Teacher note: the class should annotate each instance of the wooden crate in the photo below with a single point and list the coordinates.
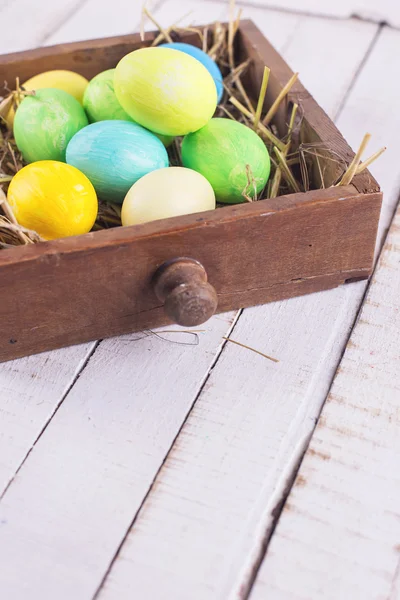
(110, 282)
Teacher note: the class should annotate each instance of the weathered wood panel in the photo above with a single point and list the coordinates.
(339, 534)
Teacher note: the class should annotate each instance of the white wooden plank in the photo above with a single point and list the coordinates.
(387, 11)
(339, 535)
(96, 19)
(101, 458)
(26, 24)
(80, 487)
(200, 532)
(30, 391)
(318, 59)
(123, 16)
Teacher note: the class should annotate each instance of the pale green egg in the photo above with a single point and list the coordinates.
(100, 101)
(45, 123)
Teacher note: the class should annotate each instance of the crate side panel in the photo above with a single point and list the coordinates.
(59, 299)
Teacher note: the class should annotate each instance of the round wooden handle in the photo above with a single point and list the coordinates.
(188, 298)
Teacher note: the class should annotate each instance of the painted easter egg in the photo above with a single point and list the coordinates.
(228, 153)
(100, 101)
(53, 199)
(165, 90)
(101, 104)
(167, 193)
(114, 155)
(205, 60)
(68, 81)
(45, 123)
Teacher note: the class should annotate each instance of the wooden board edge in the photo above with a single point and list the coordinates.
(314, 115)
(156, 317)
(122, 235)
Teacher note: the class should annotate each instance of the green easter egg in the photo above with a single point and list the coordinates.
(223, 151)
(45, 123)
(165, 139)
(100, 101)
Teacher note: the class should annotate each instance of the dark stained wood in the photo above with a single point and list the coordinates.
(102, 284)
(87, 58)
(188, 298)
(316, 126)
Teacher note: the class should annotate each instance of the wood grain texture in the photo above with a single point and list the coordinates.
(386, 11)
(330, 246)
(254, 418)
(332, 237)
(25, 29)
(202, 527)
(31, 389)
(150, 368)
(376, 338)
(98, 19)
(339, 535)
(375, 113)
(91, 468)
(61, 513)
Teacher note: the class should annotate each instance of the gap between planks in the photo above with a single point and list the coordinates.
(279, 507)
(359, 71)
(162, 464)
(344, 504)
(316, 15)
(302, 446)
(92, 349)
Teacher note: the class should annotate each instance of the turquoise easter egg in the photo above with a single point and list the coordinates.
(114, 155)
(100, 101)
(205, 60)
(45, 123)
(225, 151)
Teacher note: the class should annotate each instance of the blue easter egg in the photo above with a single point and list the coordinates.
(205, 60)
(114, 155)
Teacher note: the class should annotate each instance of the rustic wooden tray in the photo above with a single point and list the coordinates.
(115, 281)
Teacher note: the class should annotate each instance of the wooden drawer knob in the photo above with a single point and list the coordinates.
(188, 298)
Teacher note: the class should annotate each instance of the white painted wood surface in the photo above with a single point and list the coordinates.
(339, 535)
(30, 392)
(229, 467)
(251, 420)
(72, 502)
(31, 388)
(387, 11)
(100, 19)
(78, 491)
(26, 24)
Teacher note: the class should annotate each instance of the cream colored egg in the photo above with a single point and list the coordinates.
(168, 192)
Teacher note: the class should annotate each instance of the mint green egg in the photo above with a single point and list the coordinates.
(224, 151)
(45, 123)
(100, 101)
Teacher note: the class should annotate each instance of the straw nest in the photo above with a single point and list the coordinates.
(291, 162)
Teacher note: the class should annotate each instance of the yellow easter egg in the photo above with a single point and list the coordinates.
(54, 199)
(165, 193)
(165, 90)
(68, 81)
